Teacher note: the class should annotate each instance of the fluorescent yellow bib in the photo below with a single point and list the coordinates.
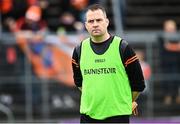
(106, 90)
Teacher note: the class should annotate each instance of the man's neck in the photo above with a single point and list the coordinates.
(100, 39)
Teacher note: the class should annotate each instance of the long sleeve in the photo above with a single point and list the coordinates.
(76, 68)
(133, 68)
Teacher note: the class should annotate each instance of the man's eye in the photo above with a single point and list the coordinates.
(90, 21)
(98, 20)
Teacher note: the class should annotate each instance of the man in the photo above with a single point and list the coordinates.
(107, 72)
(169, 44)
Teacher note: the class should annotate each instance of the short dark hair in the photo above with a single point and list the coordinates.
(94, 7)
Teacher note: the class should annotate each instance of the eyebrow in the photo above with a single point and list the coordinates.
(98, 19)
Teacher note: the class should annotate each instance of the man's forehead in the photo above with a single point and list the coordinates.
(99, 11)
(95, 14)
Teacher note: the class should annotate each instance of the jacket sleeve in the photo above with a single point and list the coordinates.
(132, 67)
(77, 76)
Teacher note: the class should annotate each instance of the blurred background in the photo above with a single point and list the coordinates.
(37, 38)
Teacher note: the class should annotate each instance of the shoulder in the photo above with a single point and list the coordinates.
(77, 48)
(124, 43)
(82, 42)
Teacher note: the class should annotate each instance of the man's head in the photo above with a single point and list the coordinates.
(96, 20)
(170, 26)
(33, 13)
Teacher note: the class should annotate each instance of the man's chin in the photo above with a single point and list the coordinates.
(96, 35)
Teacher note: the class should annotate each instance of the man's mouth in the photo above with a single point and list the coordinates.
(96, 30)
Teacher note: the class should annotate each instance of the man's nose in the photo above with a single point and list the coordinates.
(95, 24)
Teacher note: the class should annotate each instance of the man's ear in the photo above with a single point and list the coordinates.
(107, 21)
(85, 25)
